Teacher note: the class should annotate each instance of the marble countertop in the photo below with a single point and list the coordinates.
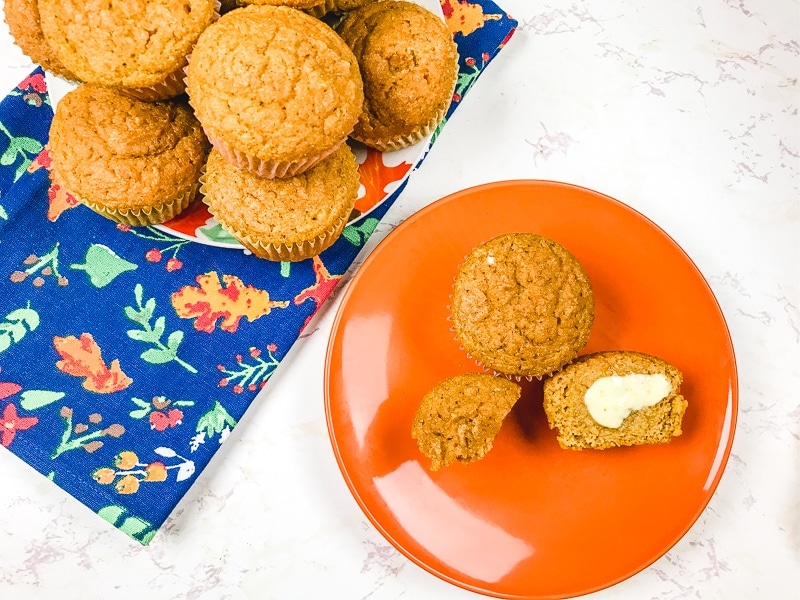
(685, 111)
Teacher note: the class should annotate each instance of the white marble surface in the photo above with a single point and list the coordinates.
(686, 111)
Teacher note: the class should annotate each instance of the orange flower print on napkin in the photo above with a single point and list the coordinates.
(211, 301)
(465, 17)
(58, 198)
(81, 357)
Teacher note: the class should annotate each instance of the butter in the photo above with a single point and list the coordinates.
(611, 399)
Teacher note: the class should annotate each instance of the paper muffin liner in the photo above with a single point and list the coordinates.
(265, 168)
(414, 137)
(291, 252)
(139, 217)
(172, 86)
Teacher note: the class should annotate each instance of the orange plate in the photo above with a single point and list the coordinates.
(529, 520)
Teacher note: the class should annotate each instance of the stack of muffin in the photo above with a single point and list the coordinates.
(272, 91)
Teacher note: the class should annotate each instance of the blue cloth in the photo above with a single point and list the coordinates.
(127, 355)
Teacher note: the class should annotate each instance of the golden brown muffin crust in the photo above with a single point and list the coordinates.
(566, 410)
(522, 304)
(125, 153)
(283, 211)
(135, 43)
(291, 3)
(274, 83)
(336, 6)
(408, 62)
(461, 416)
(22, 18)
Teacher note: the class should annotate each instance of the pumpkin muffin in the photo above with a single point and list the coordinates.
(336, 6)
(300, 4)
(275, 89)
(522, 305)
(285, 219)
(615, 398)
(134, 162)
(409, 64)
(460, 417)
(22, 18)
(138, 45)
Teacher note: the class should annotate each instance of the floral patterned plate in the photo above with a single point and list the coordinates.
(381, 174)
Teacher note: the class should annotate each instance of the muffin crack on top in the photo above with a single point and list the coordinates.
(275, 84)
(522, 305)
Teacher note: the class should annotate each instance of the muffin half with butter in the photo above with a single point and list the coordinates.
(615, 398)
(134, 162)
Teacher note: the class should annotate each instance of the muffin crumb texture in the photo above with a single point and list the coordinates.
(566, 409)
(460, 417)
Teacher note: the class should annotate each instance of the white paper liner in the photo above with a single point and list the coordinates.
(151, 215)
(283, 252)
(268, 169)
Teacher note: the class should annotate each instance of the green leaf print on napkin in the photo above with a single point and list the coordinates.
(33, 399)
(138, 529)
(151, 334)
(16, 326)
(19, 146)
(103, 265)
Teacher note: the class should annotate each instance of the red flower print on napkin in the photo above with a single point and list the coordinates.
(12, 423)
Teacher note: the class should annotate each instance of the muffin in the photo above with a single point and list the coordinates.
(615, 398)
(275, 89)
(138, 45)
(460, 417)
(22, 18)
(134, 162)
(522, 305)
(336, 6)
(409, 64)
(286, 219)
(300, 4)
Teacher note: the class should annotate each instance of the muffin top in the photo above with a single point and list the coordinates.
(125, 153)
(22, 17)
(283, 211)
(461, 416)
(136, 43)
(337, 6)
(522, 304)
(293, 3)
(274, 83)
(408, 62)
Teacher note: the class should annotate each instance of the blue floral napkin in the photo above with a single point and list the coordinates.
(127, 355)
